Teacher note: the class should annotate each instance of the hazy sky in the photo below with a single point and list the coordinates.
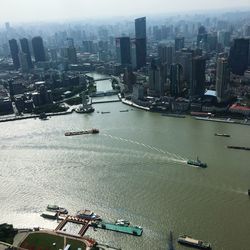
(38, 10)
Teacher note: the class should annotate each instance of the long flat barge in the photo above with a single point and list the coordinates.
(214, 119)
(173, 115)
(132, 230)
(245, 122)
(83, 132)
(238, 147)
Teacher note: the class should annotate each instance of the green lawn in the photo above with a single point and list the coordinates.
(44, 241)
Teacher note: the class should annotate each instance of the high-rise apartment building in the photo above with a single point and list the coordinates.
(123, 50)
(185, 57)
(166, 54)
(14, 50)
(179, 43)
(238, 58)
(38, 49)
(156, 79)
(222, 78)
(23, 61)
(197, 87)
(25, 49)
(175, 79)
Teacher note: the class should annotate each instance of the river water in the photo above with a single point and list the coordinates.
(134, 169)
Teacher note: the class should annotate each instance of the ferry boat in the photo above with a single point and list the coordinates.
(224, 135)
(83, 132)
(55, 208)
(87, 214)
(50, 215)
(197, 163)
(187, 240)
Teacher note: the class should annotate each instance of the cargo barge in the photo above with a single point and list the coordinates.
(189, 241)
(238, 147)
(83, 132)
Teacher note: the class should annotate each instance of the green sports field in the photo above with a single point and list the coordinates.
(44, 241)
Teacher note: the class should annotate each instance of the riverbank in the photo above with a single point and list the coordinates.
(24, 117)
(132, 104)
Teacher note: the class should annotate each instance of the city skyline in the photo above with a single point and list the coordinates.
(61, 10)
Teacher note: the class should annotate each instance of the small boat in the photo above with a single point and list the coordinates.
(50, 215)
(85, 110)
(187, 240)
(122, 222)
(55, 208)
(87, 214)
(197, 163)
(249, 192)
(105, 112)
(224, 135)
(83, 132)
(125, 110)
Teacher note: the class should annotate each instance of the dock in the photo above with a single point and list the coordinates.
(132, 230)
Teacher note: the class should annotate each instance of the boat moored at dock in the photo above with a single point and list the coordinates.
(187, 240)
(83, 132)
(49, 215)
(87, 214)
(122, 222)
(55, 208)
(197, 163)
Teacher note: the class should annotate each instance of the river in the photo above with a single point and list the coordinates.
(134, 169)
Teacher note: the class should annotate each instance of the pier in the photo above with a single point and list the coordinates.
(103, 79)
(108, 101)
(73, 219)
(132, 230)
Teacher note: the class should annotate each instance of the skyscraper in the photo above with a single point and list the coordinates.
(123, 50)
(133, 52)
(71, 54)
(71, 51)
(175, 79)
(156, 79)
(197, 87)
(238, 58)
(222, 78)
(23, 61)
(185, 57)
(166, 53)
(25, 49)
(38, 49)
(14, 50)
(179, 43)
(202, 36)
(224, 38)
(141, 41)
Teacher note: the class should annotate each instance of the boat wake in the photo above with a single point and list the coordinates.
(168, 155)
